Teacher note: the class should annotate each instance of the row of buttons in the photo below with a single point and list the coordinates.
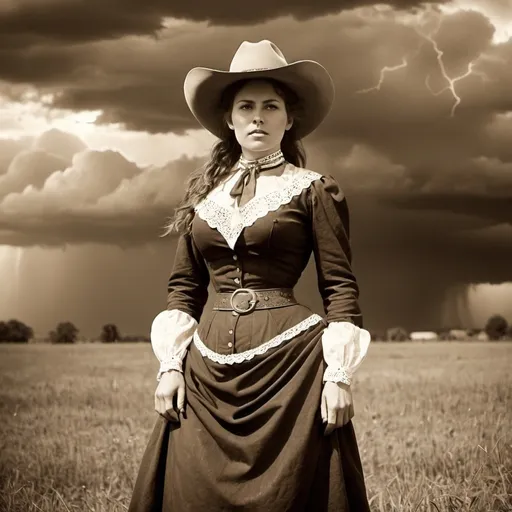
(230, 344)
(234, 313)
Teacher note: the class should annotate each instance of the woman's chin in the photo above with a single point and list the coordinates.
(257, 145)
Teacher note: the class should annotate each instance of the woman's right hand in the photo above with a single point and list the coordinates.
(170, 388)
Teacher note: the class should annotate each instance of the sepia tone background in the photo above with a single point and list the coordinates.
(96, 141)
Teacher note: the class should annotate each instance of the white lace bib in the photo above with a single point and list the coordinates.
(222, 213)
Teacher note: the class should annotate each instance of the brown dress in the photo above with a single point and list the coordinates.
(252, 439)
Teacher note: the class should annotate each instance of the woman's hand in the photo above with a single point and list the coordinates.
(171, 388)
(336, 407)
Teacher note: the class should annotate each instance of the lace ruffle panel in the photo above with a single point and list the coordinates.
(230, 223)
(257, 351)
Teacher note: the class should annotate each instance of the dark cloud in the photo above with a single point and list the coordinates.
(34, 21)
(139, 81)
(490, 210)
(78, 20)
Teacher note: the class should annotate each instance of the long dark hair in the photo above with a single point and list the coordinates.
(227, 151)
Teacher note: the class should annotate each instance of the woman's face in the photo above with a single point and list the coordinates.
(259, 119)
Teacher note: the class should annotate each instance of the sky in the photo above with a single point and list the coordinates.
(96, 142)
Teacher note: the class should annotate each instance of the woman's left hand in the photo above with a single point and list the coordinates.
(336, 407)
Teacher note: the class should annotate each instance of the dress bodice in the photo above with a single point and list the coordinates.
(270, 253)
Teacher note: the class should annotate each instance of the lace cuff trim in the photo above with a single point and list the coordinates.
(230, 223)
(175, 363)
(337, 375)
(264, 347)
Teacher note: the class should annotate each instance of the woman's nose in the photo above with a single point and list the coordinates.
(258, 118)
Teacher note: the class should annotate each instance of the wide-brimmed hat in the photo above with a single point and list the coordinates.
(309, 80)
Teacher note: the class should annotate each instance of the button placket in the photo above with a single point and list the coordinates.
(237, 279)
(235, 315)
(231, 332)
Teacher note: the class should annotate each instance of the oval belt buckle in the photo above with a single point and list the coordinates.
(252, 301)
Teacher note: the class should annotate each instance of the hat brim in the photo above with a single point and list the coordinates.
(312, 83)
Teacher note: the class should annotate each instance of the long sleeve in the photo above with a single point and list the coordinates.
(344, 341)
(172, 330)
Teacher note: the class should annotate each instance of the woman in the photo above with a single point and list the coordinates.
(254, 395)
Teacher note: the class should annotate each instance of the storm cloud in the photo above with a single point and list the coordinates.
(26, 22)
(419, 135)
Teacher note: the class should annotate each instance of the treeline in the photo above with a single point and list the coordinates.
(496, 329)
(14, 331)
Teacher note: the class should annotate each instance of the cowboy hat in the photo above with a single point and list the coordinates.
(312, 83)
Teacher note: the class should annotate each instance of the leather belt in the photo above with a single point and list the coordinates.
(245, 300)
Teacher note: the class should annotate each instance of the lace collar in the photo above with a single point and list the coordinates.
(267, 162)
(222, 213)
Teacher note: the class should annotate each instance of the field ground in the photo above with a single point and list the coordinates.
(434, 423)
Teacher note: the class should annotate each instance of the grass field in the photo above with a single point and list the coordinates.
(434, 424)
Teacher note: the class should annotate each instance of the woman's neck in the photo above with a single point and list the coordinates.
(269, 161)
(253, 156)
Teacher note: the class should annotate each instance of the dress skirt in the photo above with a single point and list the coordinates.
(252, 440)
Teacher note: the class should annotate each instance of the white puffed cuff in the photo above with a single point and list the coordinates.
(171, 334)
(344, 347)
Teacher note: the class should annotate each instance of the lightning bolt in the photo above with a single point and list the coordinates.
(389, 69)
(450, 81)
(439, 57)
(383, 71)
(451, 86)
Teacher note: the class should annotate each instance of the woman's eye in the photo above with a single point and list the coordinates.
(248, 106)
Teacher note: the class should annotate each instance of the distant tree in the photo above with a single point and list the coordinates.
(4, 332)
(15, 331)
(397, 334)
(378, 335)
(446, 336)
(110, 333)
(509, 332)
(65, 332)
(496, 327)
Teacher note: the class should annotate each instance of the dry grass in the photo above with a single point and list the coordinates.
(433, 423)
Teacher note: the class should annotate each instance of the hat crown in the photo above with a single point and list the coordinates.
(255, 56)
